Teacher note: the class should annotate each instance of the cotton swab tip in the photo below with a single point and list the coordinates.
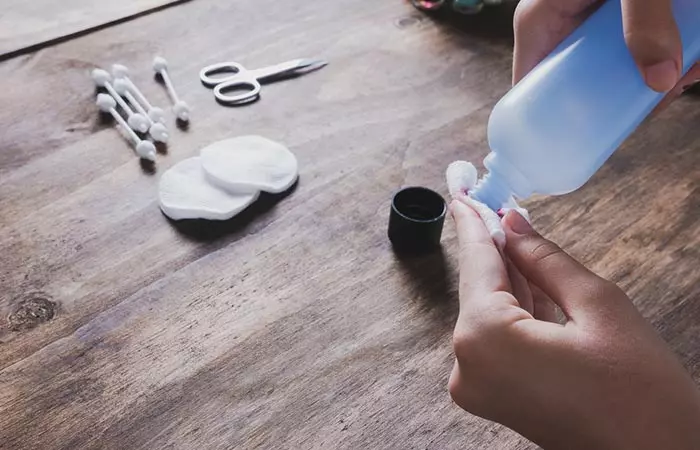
(159, 132)
(119, 71)
(105, 102)
(182, 110)
(121, 86)
(159, 64)
(101, 77)
(461, 177)
(138, 122)
(146, 150)
(157, 114)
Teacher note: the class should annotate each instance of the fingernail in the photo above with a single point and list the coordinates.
(662, 76)
(517, 223)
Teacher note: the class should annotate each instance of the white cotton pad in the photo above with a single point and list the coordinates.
(490, 219)
(249, 163)
(185, 193)
(461, 177)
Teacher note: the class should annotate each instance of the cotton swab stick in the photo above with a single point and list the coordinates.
(145, 149)
(135, 121)
(121, 73)
(156, 129)
(180, 108)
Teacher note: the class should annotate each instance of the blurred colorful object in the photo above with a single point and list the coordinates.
(461, 6)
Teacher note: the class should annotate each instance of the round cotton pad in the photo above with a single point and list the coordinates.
(249, 163)
(185, 193)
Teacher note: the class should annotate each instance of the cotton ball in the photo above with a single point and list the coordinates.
(461, 177)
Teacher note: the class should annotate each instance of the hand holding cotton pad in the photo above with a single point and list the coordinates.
(226, 178)
(462, 177)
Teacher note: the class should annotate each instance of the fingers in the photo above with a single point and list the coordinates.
(570, 285)
(482, 271)
(654, 41)
(544, 308)
(650, 32)
(520, 287)
(690, 78)
(539, 26)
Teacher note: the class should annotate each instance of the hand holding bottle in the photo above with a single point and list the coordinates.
(602, 380)
(650, 32)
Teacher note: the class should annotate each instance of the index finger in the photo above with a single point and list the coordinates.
(654, 40)
(540, 25)
(481, 268)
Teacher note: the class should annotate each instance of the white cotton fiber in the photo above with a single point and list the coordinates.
(461, 177)
(490, 219)
(185, 193)
(249, 164)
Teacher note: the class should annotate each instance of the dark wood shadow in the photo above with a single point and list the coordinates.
(493, 22)
(433, 282)
(200, 230)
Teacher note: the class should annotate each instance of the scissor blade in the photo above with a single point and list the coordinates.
(289, 68)
(309, 65)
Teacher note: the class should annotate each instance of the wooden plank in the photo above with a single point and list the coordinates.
(293, 326)
(28, 25)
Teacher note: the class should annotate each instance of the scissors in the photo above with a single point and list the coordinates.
(249, 80)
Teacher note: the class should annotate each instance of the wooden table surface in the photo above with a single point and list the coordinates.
(293, 326)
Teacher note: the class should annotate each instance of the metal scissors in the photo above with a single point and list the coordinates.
(249, 80)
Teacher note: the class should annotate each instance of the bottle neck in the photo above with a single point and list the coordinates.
(492, 191)
(502, 184)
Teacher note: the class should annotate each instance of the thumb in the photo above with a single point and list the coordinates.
(569, 284)
(653, 38)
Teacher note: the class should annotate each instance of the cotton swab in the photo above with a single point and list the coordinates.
(121, 72)
(145, 149)
(156, 129)
(180, 108)
(135, 121)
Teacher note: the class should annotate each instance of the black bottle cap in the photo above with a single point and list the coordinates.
(416, 220)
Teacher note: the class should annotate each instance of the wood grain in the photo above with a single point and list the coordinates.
(32, 24)
(293, 325)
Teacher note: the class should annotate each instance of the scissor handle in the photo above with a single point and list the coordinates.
(233, 68)
(248, 95)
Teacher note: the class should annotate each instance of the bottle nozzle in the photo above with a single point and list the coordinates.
(492, 191)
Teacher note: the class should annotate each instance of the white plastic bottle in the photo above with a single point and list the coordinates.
(560, 123)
